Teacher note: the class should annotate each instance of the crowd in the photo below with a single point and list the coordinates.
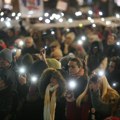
(60, 78)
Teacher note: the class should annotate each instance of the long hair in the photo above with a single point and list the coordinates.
(45, 80)
(107, 92)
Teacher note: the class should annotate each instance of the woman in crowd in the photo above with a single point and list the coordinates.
(51, 88)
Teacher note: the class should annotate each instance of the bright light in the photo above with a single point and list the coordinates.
(79, 13)
(108, 22)
(21, 43)
(80, 42)
(17, 18)
(90, 12)
(7, 1)
(51, 17)
(68, 30)
(22, 70)
(46, 14)
(14, 50)
(114, 84)
(100, 13)
(46, 47)
(60, 20)
(103, 19)
(57, 17)
(93, 25)
(70, 20)
(92, 21)
(101, 73)
(83, 38)
(47, 21)
(2, 13)
(13, 14)
(2, 19)
(8, 19)
(117, 15)
(52, 32)
(34, 79)
(40, 18)
(30, 12)
(19, 14)
(89, 18)
(81, 25)
(118, 43)
(8, 24)
(62, 14)
(72, 84)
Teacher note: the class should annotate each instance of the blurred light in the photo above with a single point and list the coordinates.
(40, 18)
(68, 30)
(114, 84)
(108, 22)
(13, 14)
(80, 42)
(70, 20)
(14, 50)
(17, 18)
(92, 21)
(83, 38)
(102, 19)
(21, 43)
(8, 24)
(90, 12)
(93, 25)
(79, 13)
(2, 13)
(46, 47)
(100, 13)
(81, 25)
(47, 21)
(46, 14)
(51, 18)
(62, 14)
(72, 84)
(8, 19)
(7, 1)
(60, 20)
(89, 18)
(52, 32)
(22, 70)
(117, 15)
(2, 19)
(34, 79)
(19, 14)
(118, 43)
(57, 16)
(101, 73)
(30, 12)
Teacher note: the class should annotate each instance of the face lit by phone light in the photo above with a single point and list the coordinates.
(72, 84)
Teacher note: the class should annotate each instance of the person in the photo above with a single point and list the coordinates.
(113, 72)
(51, 89)
(76, 74)
(11, 88)
(102, 97)
(29, 47)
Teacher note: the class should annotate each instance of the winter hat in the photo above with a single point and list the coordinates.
(6, 54)
(53, 63)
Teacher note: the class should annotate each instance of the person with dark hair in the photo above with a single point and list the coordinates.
(113, 73)
(51, 89)
(77, 75)
(96, 58)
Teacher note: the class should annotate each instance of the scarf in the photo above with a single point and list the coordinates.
(50, 104)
